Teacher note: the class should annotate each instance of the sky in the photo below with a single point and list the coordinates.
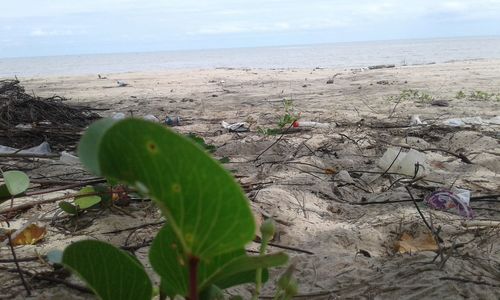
(64, 27)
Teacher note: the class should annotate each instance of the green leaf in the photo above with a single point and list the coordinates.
(68, 207)
(224, 160)
(170, 263)
(201, 142)
(84, 202)
(230, 272)
(204, 205)
(15, 183)
(88, 149)
(110, 272)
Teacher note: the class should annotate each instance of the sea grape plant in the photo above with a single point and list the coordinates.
(200, 251)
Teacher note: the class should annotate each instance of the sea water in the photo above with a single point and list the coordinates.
(338, 55)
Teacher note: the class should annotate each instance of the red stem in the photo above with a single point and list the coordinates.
(193, 277)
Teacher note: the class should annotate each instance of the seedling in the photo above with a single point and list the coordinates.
(478, 96)
(288, 118)
(200, 251)
(14, 183)
(412, 95)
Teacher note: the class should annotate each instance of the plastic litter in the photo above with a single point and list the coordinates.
(235, 127)
(118, 116)
(43, 148)
(458, 122)
(344, 177)
(404, 162)
(121, 83)
(174, 121)
(151, 118)
(24, 126)
(309, 124)
(454, 199)
(415, 120)
(68, 158)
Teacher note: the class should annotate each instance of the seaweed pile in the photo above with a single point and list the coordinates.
(27, 120)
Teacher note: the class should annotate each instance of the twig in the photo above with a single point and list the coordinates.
(40, 202)
(135, 227)
(274, 143)
(287, 247)
(52, 279)
(465, 280)
(392, 163)
(23, 259)
(305, 295)
(28, 291)
(29, 155)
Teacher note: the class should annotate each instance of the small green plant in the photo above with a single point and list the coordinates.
(87, 197)
(460, 95)
(14, 183)
(483, 96)
(412, 95)
(288, 118)
(200, 251)
(478, 95)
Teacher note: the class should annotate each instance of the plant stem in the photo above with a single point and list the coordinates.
(193, 277)
(258, 276)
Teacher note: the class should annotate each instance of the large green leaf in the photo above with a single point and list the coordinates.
(15, 183)
(204, 205)
(226, 270)
(237, 269)
(88, 149)
(110, 272)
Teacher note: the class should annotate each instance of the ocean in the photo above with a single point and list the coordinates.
(338, 55)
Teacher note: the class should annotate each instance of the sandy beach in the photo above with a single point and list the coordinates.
(323, 186)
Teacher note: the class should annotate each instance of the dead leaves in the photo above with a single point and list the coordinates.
(412, 244)
(30, 235)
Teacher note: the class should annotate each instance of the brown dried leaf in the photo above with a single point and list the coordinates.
(410, 244)
(30, 235)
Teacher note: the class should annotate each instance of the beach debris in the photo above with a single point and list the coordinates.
(121, 83)
(412, 163)
(151, 118)
(409, 243)
(381, 67)
(172, 121)
(69, 158)
(344, 177)
(455, 199)
(49, 119)
(310, 124)
(101, 77)
(442, 103)
(27, 235)
(459, 122)
(332, 79)
(118, 116)
(235, 127)
(42, 149)
(480, 223)
(415, 121)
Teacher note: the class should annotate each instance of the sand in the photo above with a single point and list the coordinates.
(327, 214)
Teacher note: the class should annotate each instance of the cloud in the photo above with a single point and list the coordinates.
(181, 24)
(43, 33)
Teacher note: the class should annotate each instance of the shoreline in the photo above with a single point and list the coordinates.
(195, 69)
